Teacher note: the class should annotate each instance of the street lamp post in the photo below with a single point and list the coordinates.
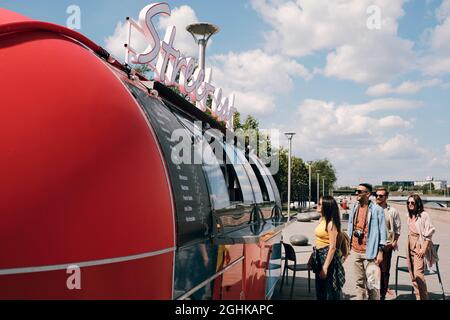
(289, 135)
(323, 187)
(309, 196)
(202, 32)
(318, 187)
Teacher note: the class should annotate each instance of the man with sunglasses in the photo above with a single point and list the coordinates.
(393, 226)
(367, 232)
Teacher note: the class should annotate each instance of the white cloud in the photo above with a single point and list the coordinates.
(362, 145)
(394, 122)
(447, 151)
(342, 126)
(115, 43)
(180, 18)
(375, 59)
(407, 87)
(303, 27)
(401, 147)
(256, 78)
(385, 104)
(437, 61)
(443, 11)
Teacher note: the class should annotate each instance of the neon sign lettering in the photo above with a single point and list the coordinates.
(172, 64)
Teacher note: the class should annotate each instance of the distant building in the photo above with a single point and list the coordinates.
(438, 184)
(402, 184)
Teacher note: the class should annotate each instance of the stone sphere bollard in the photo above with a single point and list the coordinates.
(304, 217)
(298, 240)
(314, 215)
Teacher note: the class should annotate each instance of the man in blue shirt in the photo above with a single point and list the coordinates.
(368, 234)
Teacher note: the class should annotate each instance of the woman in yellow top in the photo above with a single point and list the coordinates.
(330, 274)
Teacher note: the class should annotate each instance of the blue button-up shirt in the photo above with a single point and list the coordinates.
(377, 235)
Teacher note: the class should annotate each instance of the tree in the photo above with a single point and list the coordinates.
(299, 170)
(299, 176)
(326, 171)
(281, 176)
(428, 188)
(237, 121)
(299, 182)
(251, 124)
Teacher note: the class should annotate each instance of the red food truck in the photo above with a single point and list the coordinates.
(92, 205)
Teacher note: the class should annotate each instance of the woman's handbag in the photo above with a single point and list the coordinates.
(314, 262)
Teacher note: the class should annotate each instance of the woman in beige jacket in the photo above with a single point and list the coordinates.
(421, 253)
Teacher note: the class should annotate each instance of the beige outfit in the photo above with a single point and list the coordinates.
(393, 223)
(420, 229)
(367, 275)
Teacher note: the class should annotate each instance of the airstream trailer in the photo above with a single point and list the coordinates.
(92, 205)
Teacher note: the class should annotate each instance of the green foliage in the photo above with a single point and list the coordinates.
(300, 177)
(428, 188)
(326, 170)
(237, 121)
(251, 124)
(300, 171)
(143, 69)
(347, 188)
(393, 188)
(209, 112)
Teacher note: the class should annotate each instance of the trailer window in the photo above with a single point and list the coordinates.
(266, 172)
(216, 178)
(190, 193)
(266, 187)
(251, 175)
(244, 181)
(230, 172)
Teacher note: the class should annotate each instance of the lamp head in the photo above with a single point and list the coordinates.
(290, 135)
(202, 31)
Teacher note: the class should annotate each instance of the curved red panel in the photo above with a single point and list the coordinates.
(82, 176)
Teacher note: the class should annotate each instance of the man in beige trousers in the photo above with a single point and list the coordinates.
(368, 235)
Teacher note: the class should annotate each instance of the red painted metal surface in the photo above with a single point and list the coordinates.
(230, 285)
(255, 281)
(124, 280)
(82, 177)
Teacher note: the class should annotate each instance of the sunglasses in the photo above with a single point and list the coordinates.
(360, 191)
(411, 202)
(381, 195)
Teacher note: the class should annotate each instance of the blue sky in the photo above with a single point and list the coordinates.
(373, 101)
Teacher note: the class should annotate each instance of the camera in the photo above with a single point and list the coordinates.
(359, 234)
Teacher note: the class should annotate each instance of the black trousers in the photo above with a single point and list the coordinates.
(385, 270)
(325, 290)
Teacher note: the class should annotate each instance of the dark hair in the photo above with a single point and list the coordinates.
(383, 189)
(367, 186)
(418, 209)
(330, 211)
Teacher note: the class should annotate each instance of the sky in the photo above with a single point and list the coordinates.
(363, 83)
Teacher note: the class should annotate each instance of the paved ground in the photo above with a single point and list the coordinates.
(440, 219)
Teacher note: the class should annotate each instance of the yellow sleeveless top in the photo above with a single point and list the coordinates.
(322, 237)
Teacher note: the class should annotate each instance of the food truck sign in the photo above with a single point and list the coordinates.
(174, 69)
